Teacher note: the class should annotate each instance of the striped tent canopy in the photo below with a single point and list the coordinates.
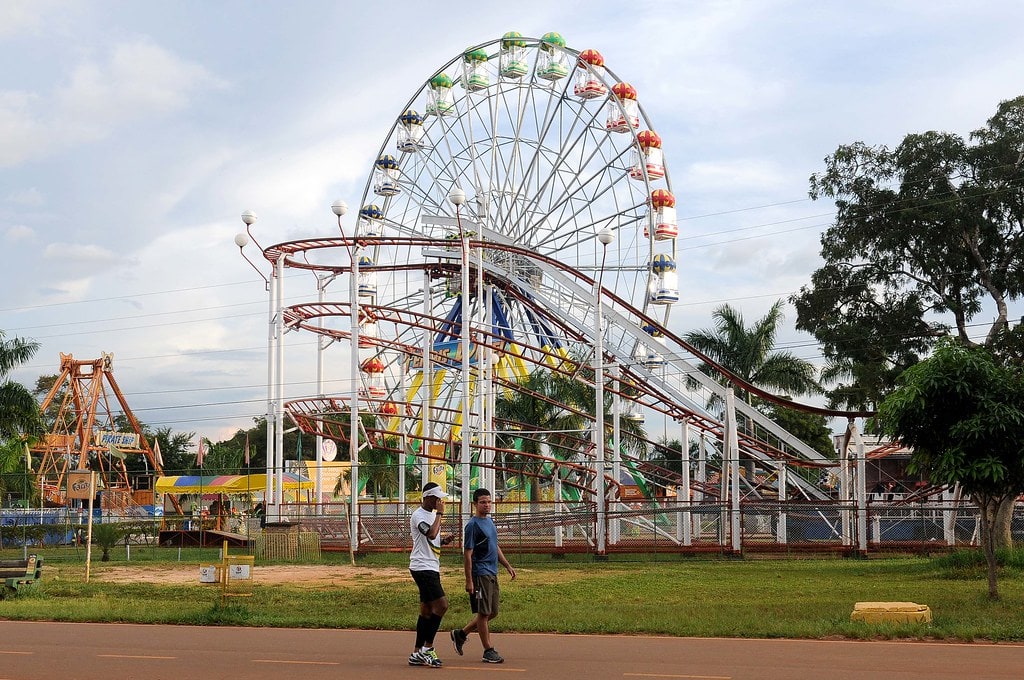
(227, 484)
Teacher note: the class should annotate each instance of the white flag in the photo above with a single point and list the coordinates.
(156, 453)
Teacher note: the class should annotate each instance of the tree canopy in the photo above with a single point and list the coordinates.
(927, 240)
(963, 415)
(19, 413)
(749, 352)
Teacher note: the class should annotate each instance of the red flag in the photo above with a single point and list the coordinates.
(199, 453)
(247, 449)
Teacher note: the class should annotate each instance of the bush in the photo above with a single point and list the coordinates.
(974, 560)
(107, 535)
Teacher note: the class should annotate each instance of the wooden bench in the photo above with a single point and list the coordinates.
(18, 573)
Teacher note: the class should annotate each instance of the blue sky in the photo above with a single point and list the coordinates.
(132, 135)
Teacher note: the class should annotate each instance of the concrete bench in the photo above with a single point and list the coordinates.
(891, 612)
(18, 573)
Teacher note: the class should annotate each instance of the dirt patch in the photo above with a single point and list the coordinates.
(303, 576)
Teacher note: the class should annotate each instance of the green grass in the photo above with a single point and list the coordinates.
(670, 595)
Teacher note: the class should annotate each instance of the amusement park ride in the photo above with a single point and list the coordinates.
(523, 226)
(88, 434)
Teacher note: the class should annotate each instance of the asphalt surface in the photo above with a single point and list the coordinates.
(87, 651)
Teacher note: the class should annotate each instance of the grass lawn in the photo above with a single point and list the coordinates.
(667, 595)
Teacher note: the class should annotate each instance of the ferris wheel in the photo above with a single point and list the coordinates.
(563, 196)
(550, 148)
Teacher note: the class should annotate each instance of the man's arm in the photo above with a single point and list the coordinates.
(467, 556)
(504, 563)
(467, 566)
(432, 530)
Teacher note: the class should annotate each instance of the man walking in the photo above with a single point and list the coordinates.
(425, 566)
(480, 558)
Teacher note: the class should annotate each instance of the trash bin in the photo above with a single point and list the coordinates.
(209, 573)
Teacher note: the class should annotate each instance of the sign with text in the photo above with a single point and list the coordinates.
(80, 485)
(127, 440)
(60, 441)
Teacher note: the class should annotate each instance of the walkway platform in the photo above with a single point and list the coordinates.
(206, 538)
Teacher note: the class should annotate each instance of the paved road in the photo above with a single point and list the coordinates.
(86, 651)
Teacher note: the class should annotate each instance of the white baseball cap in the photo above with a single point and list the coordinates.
(436, 492)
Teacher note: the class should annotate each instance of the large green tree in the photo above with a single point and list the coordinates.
(963, 414)
(926, 243)
(19, 418)
(174, 448)
(19, 412)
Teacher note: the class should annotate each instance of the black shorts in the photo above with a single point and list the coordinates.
(429, 583)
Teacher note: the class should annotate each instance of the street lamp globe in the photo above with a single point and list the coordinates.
(339, 208)
(249, 217)
(241, 240)
(457, 196)
(605, 236)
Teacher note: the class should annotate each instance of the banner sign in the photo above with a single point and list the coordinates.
(80, 484)
(127, 440)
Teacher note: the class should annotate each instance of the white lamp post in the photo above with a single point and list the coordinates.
(339, 208)
(353, 433)
(457, 197)
(604, 237)
(241, 240)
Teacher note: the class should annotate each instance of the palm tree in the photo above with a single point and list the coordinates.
(107, 535)
(749, 352)
(544, 416)
(549, 413)
(379, 469)
(19, 412)
(15, 475)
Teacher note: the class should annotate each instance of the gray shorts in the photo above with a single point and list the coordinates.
(485, 598)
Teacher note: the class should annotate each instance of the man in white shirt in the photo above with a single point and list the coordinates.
(425, 566)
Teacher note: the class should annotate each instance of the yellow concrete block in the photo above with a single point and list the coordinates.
(891, 612)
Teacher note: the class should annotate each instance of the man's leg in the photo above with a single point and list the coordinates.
(482, 625)
(422, 626)
(435, 612)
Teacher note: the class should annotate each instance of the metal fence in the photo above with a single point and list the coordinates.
(637, 527)
(650, 526)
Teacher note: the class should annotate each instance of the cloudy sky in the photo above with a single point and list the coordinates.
(133, 134)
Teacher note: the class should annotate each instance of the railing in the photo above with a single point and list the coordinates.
(649, 526)
(636, 527)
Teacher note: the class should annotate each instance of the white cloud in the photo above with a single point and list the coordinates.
(135, 80)
(21, 136)
(19, 232)
(81, 255)
(31, 197)
(21, 16)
